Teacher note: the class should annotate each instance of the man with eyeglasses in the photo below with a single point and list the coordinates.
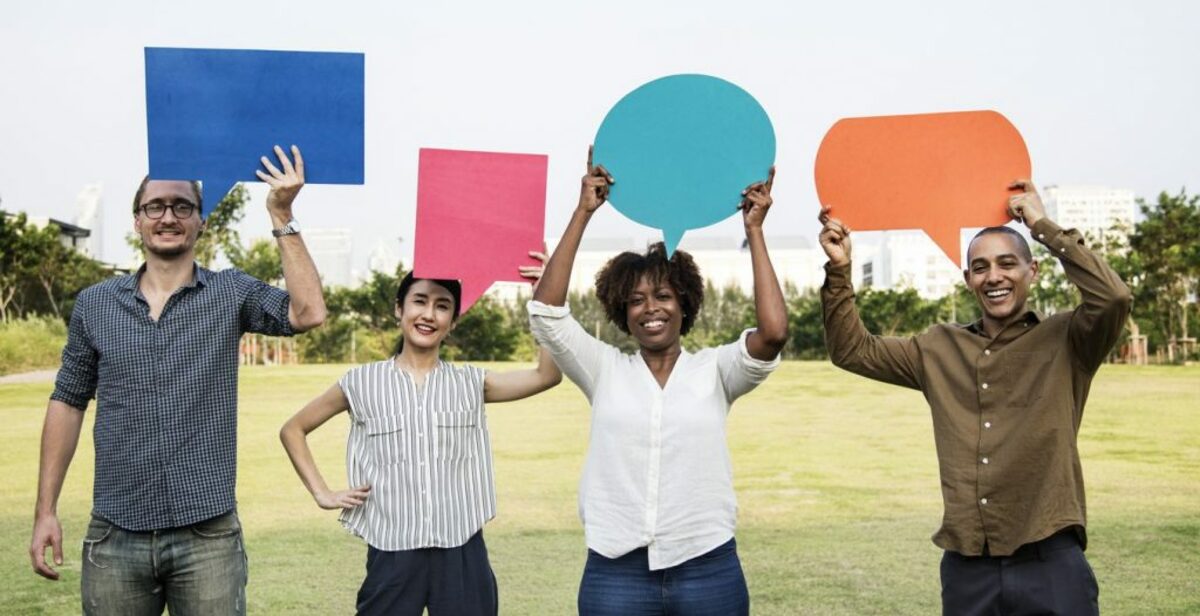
(158, 350)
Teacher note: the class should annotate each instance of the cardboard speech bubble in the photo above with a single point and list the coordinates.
(478, 216)
(939, 172)
(211, 113)
(682, 148)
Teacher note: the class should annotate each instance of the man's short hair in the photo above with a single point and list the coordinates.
(1022, 245)
(137, 196)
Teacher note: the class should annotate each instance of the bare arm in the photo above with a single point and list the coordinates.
(60, 436)
(517, 384)
(552, 290)
(294, 436)
(768, 339)
(307, 306)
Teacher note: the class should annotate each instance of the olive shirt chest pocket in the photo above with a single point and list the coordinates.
(1027, 376)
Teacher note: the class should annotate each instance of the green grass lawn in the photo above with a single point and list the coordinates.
(836, 480)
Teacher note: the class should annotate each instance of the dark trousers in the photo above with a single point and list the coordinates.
(449, 581)
(1050, 576)
(711, 584)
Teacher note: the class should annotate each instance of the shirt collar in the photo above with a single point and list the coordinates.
(1031, 317)
(199, 278)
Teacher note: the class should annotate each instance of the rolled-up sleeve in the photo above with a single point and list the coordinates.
(75, 384)
(740, 371)
(264, 307)
(579, 355)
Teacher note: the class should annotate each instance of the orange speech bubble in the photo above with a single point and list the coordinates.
(938, 172)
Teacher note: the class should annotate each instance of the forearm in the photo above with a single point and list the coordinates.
(552, 289)
(852, 347)
(769, 307)
(295, 442)
(60, 436)
(307, 305)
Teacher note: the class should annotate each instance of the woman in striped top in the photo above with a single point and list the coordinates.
(656, 498)
(419, 460)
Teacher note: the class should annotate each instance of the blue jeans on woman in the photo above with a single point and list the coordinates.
(709, 584)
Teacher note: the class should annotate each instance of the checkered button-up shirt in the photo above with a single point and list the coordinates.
(166, 392)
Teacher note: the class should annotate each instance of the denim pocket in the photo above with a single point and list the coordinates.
(225, 525)
(98, 531)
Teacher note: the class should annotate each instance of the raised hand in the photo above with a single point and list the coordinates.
(834, 238)
(285, 185)
(534, 272)
(1025, 206)
(593, 189)
(756, 200)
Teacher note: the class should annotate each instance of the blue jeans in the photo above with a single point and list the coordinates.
(709, 584)
(197, 569)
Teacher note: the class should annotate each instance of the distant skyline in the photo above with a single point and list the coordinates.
(1102, 92)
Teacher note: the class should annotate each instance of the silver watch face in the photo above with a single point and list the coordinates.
(292, 227)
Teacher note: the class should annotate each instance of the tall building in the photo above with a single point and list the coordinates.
(331, 250)
(722, 260)
(89, 214)
(1094, 210)
(908, 259)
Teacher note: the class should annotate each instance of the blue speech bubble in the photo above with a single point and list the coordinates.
(211, 113)
(682, 148)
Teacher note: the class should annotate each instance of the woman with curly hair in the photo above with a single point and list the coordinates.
(656, 498)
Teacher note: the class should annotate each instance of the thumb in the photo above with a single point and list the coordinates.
(56, 543)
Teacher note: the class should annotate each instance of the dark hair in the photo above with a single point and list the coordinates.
(620, 276)
(137, 196)
(407, 282)
(1022, 245)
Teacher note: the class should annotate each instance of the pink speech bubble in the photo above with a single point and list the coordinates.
(478, 216)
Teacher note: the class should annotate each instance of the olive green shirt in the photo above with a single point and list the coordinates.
(1006, 410)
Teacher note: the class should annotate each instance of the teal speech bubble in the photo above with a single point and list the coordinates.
(681, 149)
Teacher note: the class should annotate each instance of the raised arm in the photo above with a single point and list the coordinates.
(851, 347)
(294, 436)
(1097, 322)
(593, 192)
(517, 384)
(306, 309)
(768, 338)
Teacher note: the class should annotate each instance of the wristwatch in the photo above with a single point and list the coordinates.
(291, 228)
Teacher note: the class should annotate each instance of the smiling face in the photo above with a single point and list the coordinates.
(1000, 273)
(426, 315)
(653, 314)
(169, 237)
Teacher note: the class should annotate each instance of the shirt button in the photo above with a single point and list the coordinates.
(985, 385)
(985, 460)
(987, 424)
(987, 351)
(1041, 236)
(1063, 249)
(983, 501)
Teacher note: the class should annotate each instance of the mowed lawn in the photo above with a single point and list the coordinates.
(836, 479)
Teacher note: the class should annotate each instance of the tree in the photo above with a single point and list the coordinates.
(1167, 243)
(1051, 292)
(896, 313)
(806, 324)
(260, 260)
(484, 333)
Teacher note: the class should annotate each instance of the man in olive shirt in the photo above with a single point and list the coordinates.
(1007, 395)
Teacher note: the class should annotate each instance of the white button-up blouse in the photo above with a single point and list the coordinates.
(657, 473)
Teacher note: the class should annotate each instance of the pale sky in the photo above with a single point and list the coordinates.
(1103, 92)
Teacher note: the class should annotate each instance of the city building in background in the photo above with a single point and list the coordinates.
(1094, 210)
(331, 251)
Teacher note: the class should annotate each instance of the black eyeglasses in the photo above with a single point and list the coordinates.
(181, 209)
